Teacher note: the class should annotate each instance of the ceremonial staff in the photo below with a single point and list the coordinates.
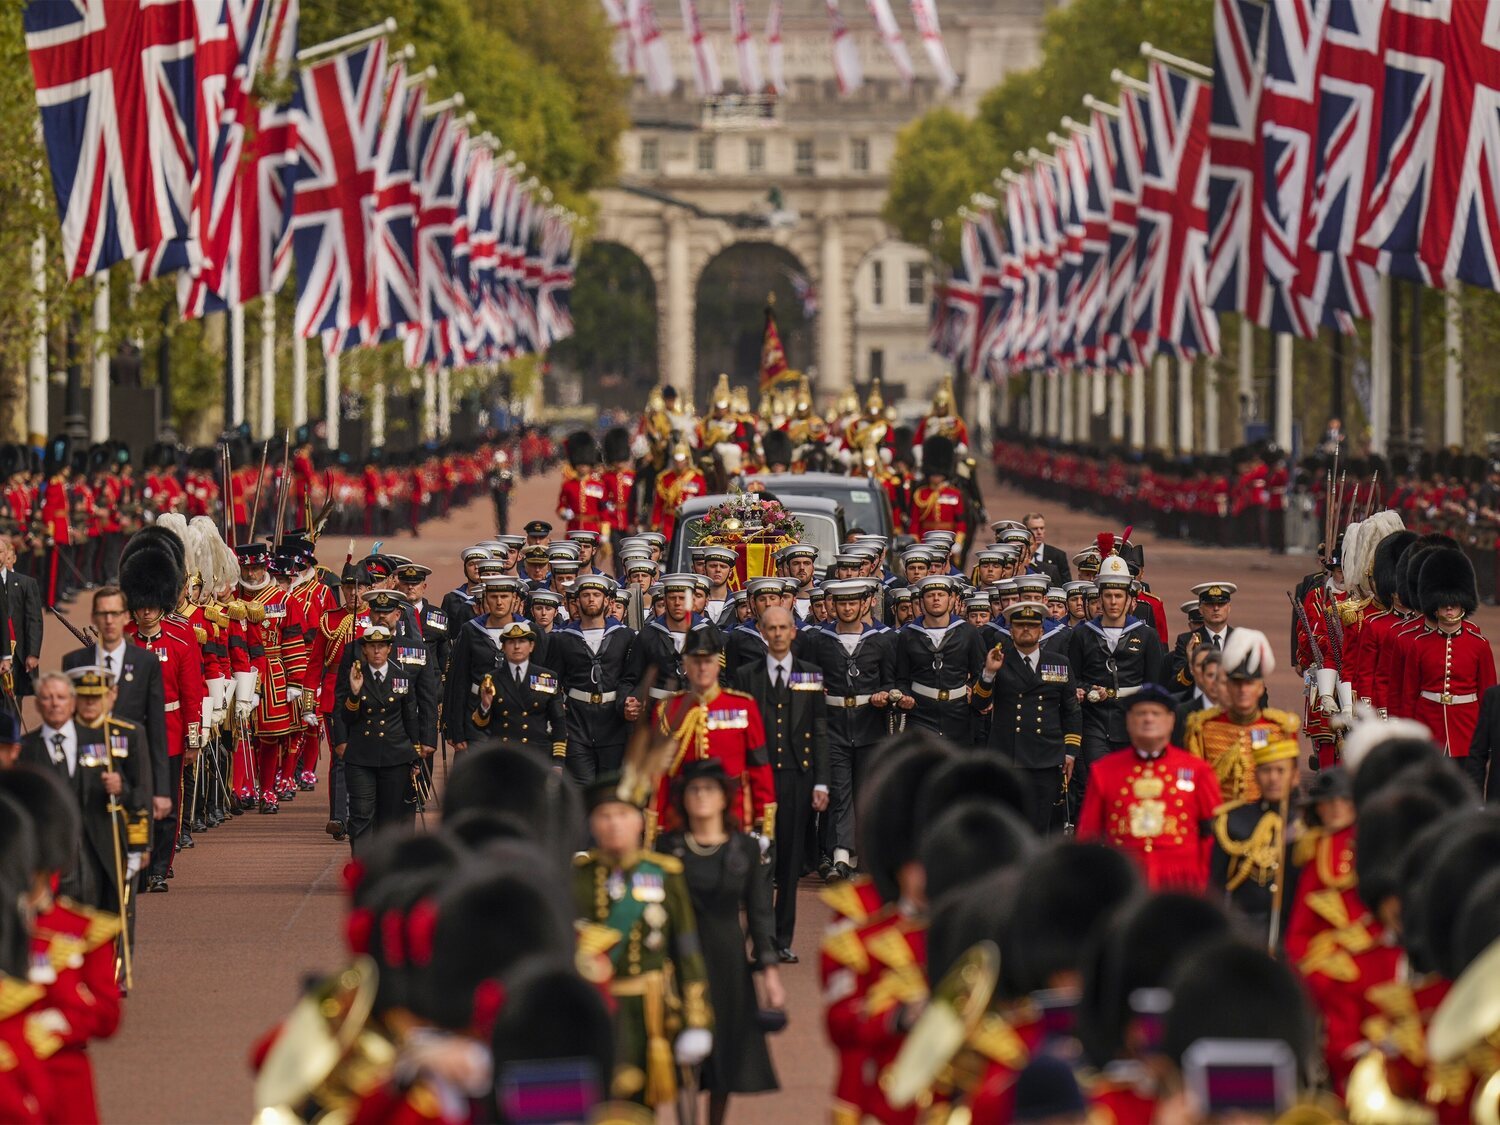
(265, 451)
(117, 826)
(1278, 892)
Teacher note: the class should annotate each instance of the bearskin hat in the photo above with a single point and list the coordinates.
(1227, 989)
(1147, 941)
(550, 1015)
(1410, 567)
(160, 537)
(971, 776)
(1447, 860)
(1388, 555)
(1478, 924)
(12, 459)
(54, 813)
(980, 913)
(777, 446)
(970, 839)
(391, 853)
(162, 455)
(18, 870)
(1447, 578)
(518, 907)
(616, 445)
(937, 456)
(378, 930)
(58, 455)
(902, 441)
(581, 450)
(151, 577)
(888, 825)
(1066, 893)
(1388, 823)
(510, 779)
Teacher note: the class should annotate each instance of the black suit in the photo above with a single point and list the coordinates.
(1036, 724)
(597, 685)
(1486, 737)
(529, 713)
(1178, 677)
(93, 880)
(795, 718)
(379, 730)
(1053, 561)
(21, 606)
(140, 701)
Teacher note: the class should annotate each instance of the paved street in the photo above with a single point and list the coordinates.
(256, 905)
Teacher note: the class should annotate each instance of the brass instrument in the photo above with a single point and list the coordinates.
(329, 1053)
(1371, 1100)
(117, 825)
(1466, 1026)
(958, 1003)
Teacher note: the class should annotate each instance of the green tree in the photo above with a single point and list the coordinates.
(614, 319)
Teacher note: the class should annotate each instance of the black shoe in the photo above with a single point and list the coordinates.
(267, 809)
(842, 871)
(825, 869)
(157, 885)
(198, 825)
(184, 839)
(237, 809)
(786, 955)
(334, 828)
(305, 786)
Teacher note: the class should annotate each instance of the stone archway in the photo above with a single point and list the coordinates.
(614, 346)
(729, 314)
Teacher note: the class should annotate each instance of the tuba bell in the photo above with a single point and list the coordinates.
(328, 1054)
(1371, 1100)
(945, 1025)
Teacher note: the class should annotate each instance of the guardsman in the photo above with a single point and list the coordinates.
(1314, 651)
(151, 577)
(1213, 601)
(375, 733)
(277, 718)
(936, 504)
(619, 482)
(1228, 737)
(593, 661)
(55, 530)
(637, 932)
(1447, 664)
(297, 632)
(939, 657)
(581, 500)
(312, 599)
(676, 484)
(1252, 857)
(1153, 801)
(1036, 723)
(521, 703)
(708, 721)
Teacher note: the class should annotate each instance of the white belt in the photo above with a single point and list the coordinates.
(592, 696)
(942, 695)
(1126, 692)
(1448, 698)
(661, 693)
(846, 700)
(176, 703)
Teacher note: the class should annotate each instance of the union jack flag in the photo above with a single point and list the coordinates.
(341, 99)
(395, 297)
(1102, 142)
(1169, 305)
(116, 85)
(554, 314)
(1072, 184)
(441, 172)
(1124, 204)
(1043, 256)
(980, 246)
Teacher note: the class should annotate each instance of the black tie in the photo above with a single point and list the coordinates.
(780, 679)
(1218, 646)
(518, 675)
(57, 748)
(109, 662)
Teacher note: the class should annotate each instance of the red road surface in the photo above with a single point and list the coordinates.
(257, 904)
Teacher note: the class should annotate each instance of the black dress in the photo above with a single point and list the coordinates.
(721, 884)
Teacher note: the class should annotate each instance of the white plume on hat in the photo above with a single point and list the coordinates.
(176, 523)
(1368, 732)
(1359, 560)
(1250, 649)
(209, 556)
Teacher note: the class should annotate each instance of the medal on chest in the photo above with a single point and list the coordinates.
(1148, 815)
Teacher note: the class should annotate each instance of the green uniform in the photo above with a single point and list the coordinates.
(638, 918)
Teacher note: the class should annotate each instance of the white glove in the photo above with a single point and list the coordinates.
(293, 694)
(134, 863)
(312, 718)
(763, 841)
(693, 1046)
(244, 686)
(244, 708)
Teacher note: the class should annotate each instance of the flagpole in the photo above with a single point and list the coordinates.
(1453, 374)
(267, 366)
(299, 380)
(432, 109)
(236, 344)
(429, 404)
(445, 402)
(344, 42)
(1246, 371)
(1380, 365)
(377, 416)
(36, 365)
(1137, 406)
(331, 410)
(1129, 81)
(1211, 407)
(1184, 404)
(1176, 62)
(1284, 390)
(99, 391)
(1161, 433)
(1116, 390)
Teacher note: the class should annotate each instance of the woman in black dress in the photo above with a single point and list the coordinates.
(722, 866)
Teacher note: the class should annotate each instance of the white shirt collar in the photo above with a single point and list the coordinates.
(511, 668)
(785, 664)
(118, 652)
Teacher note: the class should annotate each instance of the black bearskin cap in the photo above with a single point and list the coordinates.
(513, 780)
(777, 446)
(1450, 857)
(1386, 564)
(970, 839)
(151, 578)
(1447, 578)
(53, 810)
(888, 824)
(616, 445)
(1066, 893)
(937, 455)
(971, 776)
(1388, 824)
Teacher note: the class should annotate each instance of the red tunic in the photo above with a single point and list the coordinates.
(672, 488)
(1155, 810)
(726, 726)
(841, 962)
(182, 683)
(1443, 676)
(938, 507)
(581, 501)
(25, 1083)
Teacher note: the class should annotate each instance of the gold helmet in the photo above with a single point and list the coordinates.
(804, 397)
(682, 453)
(847, 404)
(875, 403)
(942, 401)
(721, 397)
(655, 403)
(740, 400)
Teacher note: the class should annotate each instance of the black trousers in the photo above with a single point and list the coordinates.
(585, 762)
(794, 789)
(846, 769)
(338, 791)
(377, 799)
(164, 831)
(1042, 789)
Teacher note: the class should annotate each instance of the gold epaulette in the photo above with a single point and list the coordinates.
(1352, 609)
(1307, 846)
(1289, 723)
(995, 1039)
(1227, 807)
(17, 995)
(1193, 728)
(890, 948)
(842, 944)
(201, 634)
(843, 899)
(668, 863)
(736, 693)
(255, 612)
